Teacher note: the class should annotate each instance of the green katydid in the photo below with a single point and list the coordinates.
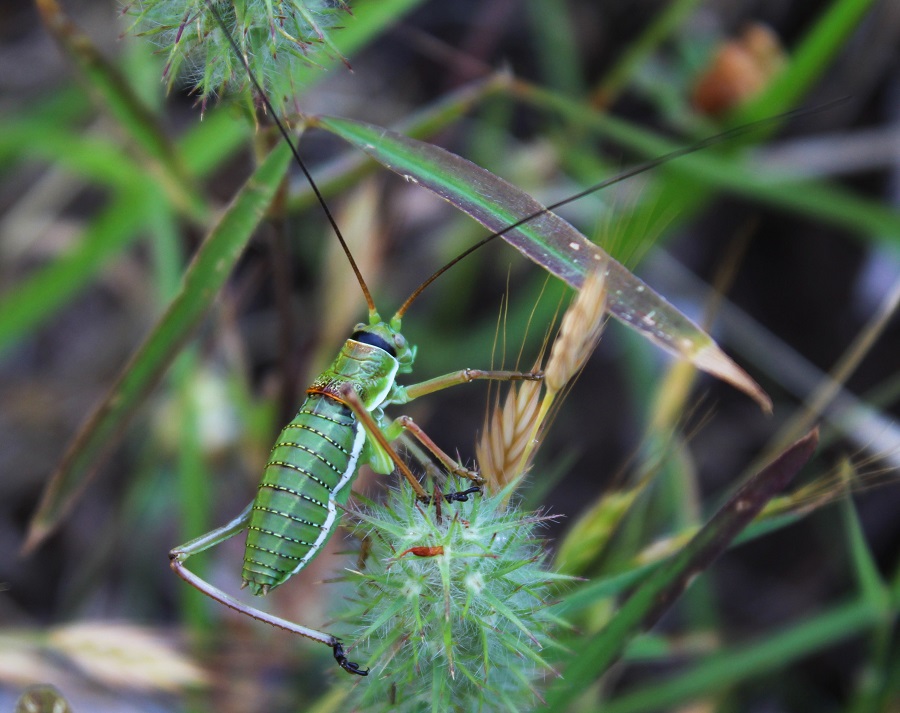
(317, 456)
(340, 426)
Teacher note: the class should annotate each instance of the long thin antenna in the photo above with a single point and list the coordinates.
(299, 160)
(628, 173)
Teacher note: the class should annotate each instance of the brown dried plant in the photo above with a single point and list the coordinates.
(506, 432)
(513, 431)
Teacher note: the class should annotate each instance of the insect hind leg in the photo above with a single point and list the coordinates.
(344, 662)
(211, 538)
(180, 554)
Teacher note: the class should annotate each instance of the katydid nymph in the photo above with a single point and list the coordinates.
(340, 426)
(316, 458)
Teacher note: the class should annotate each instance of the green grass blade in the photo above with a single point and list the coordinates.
(665, 24)
(809, 61)
(691, 178)
(728, 667)
(212, 141)
(553, 27)
(93, 157)
(36, 298)
(614, 585)
(205, 276)
(141, 124)
(656, 594)
(43, 293)
(873, 589)
(547, 239)
(368, 20)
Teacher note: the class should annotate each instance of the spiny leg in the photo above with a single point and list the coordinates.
(383, 441)
(405, 423)
(178, 556)
(373, 430)
(212, 538)
(462, 496)
(436, 474)
(404, 394)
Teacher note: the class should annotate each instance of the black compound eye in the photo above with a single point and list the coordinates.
(374, 340)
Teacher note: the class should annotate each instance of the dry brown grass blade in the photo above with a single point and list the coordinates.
(505, 436)
(513, 431)
(581, 327)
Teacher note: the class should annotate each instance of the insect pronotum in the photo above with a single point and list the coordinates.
(338, 428)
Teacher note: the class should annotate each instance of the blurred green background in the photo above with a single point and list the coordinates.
(89, 261)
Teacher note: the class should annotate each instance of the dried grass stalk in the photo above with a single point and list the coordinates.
(512, 432)
(506, 432)
(579, 332)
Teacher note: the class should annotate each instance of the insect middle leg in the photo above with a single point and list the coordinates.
(405, 423)
(179, 555)
(385, 456)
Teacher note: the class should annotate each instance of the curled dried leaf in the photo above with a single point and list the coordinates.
(126, 656)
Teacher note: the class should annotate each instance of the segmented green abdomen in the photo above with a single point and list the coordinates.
(314, 460)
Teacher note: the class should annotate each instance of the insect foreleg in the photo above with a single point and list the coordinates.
(404, 394)
(379, 444)
(179, 555)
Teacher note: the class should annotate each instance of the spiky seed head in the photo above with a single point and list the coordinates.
(451, 612)
(276, 37)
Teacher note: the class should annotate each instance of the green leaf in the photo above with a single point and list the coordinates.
(727, 667)
(664, 585)
(38, 295)
(43, 293)
(96, 158)
(205, 276)
(546, 239)
(873, 589)
(691, 179)
(810, 60)
(142, 125)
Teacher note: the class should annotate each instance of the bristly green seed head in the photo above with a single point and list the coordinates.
(276, 36)
(461, 621)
